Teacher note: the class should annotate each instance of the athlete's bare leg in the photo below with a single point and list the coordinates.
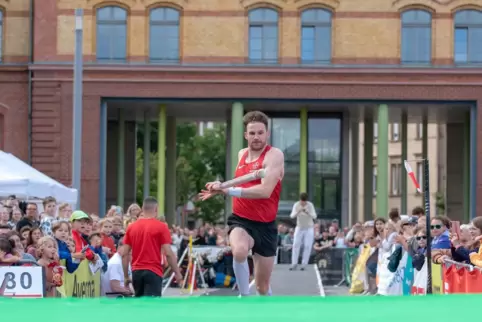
(263, 267)
(241, 243)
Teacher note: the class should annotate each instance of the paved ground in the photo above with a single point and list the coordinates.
(285, 282)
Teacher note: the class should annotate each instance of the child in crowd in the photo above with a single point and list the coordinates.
(117, 229)
(80, 222)
(33, 237)
(7, 252)
(24, 233)
(48, 258)
(108, 244)
(95, 241)
(50, 208)
(61, 231)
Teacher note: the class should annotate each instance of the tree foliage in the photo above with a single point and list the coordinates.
(200, 159)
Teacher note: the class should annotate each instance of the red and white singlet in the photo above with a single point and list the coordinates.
(261, 210)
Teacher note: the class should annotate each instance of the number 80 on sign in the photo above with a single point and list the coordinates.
(22, 282)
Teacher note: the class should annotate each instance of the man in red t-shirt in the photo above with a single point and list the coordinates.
(147, 237)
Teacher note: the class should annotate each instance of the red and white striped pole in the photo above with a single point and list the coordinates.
(412, 176)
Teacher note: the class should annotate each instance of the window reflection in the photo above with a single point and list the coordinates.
(285, 135)
(324, 148)
(111, 34)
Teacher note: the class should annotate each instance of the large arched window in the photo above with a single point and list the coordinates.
(468, 36)
(263, 35)
(416, 47)
(315, 36)
(164, 35)
(111, 34)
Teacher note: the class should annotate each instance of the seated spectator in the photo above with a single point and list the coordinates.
(48, 258)
(61, 231)
(33, 237)
(15, 238)
(113, 279)
(8, 255)
(441, 245)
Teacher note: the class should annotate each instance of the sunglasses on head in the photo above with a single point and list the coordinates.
(421, 237)
(436, 226)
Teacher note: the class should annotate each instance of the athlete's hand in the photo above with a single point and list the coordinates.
(215, 185)
(206, 194)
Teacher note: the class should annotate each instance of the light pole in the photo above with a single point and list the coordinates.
(77, 106)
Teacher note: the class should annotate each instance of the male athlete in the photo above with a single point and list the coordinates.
(255, 205)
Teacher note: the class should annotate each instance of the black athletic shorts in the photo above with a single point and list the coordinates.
(265, 235)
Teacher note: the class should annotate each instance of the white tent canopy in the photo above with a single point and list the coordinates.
(20, 179)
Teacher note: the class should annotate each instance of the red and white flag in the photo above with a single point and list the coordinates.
(412, 176)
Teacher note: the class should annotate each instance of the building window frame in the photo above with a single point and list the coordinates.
(395, 132)
(374, 179)
(165, 24)
(416, 28)
(468, 33)
(315, 22)
(112, 38)
(395, 179)
(263, 32)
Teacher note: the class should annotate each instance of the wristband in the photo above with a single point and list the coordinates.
(235, 192)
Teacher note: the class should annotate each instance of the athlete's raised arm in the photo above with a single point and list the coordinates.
(274, 166)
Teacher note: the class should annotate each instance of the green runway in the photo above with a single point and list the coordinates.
(257, 309)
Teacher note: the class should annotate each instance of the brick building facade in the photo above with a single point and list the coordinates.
(357, 55)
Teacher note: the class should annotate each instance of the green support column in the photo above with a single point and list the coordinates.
(304, 150)
(368, 169)
(171, 154)
(161, 159)
(237, 130)
(466, 169)
(404, 157)
(121, 136)
(382, 162)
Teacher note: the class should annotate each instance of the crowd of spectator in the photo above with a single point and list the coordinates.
(56, 233)
(29, 236)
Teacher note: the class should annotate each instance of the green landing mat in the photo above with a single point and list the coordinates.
(440, 308)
